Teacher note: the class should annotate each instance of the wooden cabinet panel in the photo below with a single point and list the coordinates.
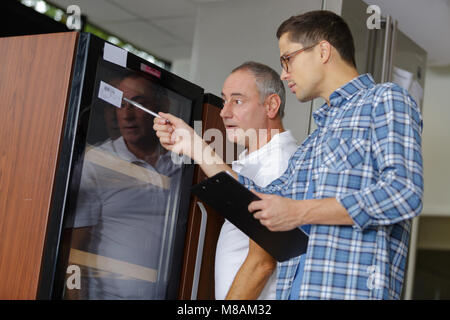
(211, 119)
(35, 78)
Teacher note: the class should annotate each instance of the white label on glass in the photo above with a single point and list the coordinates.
(110, 94)
(115, 54)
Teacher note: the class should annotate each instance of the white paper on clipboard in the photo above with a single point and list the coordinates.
(115, 54)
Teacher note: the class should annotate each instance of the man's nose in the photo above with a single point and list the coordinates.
(128, 111)
(284, 75)
(226, 110)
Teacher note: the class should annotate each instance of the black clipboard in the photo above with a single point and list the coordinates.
(231, 199)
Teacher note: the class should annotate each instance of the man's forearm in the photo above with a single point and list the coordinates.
(249, 283)
(324, 211)
(253, 275)
(282, 214)
(210, 162)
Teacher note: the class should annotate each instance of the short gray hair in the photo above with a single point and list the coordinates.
(267, 81)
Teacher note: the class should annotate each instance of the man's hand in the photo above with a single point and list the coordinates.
(284, 214)
(177, 136)
(277, 213)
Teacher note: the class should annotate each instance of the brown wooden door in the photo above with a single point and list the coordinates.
(211, 119)
(35, 76)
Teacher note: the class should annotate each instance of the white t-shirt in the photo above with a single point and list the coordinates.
(262, 166)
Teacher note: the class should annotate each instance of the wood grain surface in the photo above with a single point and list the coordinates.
(210, 119)
(35, 76)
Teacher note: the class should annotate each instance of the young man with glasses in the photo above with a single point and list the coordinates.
(355, 183)
(357, 178)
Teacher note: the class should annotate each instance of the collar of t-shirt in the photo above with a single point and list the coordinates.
(162, 165)
(251, 164)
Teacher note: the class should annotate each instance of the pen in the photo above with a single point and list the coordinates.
(140, 106)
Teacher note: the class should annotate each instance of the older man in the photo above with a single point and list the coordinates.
(254, 99)
(253, 107)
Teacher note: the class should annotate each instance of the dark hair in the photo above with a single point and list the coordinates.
(311, 27)
(267, 81)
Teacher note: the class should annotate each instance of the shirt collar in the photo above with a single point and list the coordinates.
(348, 90)
(122, 151)
(263, 152)
(343, 94)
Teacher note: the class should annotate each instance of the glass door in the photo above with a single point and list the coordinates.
(126, 213)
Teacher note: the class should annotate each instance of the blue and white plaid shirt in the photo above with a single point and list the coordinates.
(366, 153)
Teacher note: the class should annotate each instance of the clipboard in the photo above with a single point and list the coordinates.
(231, 199)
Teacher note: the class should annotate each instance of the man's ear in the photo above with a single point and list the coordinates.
(273, 103)
(325, 51)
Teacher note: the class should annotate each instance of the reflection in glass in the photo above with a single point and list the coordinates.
(127, 202)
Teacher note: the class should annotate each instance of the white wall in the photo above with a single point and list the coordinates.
(182, 68)
(436, 141)
(232, 32)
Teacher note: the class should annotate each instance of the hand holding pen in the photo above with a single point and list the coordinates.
(177, 136)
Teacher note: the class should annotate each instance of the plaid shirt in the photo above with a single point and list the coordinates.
(366, 153)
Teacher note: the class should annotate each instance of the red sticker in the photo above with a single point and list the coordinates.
(151, 71)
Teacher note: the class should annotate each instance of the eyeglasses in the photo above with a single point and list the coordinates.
(284, 60)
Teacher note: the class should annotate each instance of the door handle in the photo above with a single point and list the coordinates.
(198, 259)
(386, 51)
(392, 49)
